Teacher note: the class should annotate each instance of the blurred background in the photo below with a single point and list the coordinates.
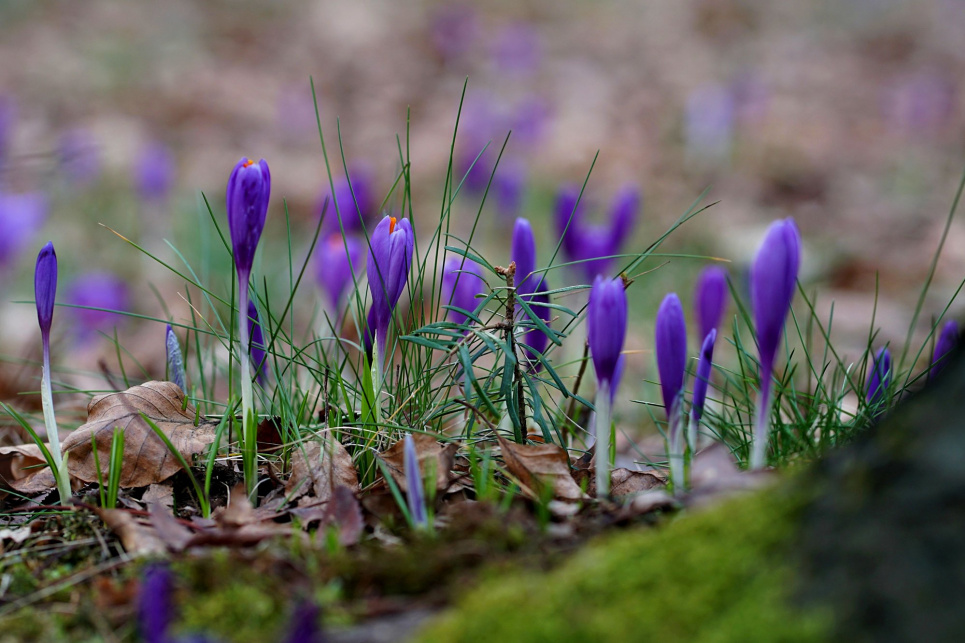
(848, 115)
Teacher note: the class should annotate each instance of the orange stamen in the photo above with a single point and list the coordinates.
(248, 163)
(391, 225)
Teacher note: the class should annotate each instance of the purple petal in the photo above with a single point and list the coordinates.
(523, 252)
(947, 340)
(390, 254)
(413, 481)
(535, 339)
(606, 319)
(773, 280)
(461, 282)
(100, 293)
(710, 298)
(880, 379)
(337, 259)
(256, 345)
(671, 348)
(154, 173)
(45, 286)
(249, 188)
(704, 367)
(155, 610)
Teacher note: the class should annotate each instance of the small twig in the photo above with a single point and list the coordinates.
(510, 315)
(479, 413)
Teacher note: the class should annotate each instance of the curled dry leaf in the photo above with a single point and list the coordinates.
(432, 455)
(23, 469)
(345, 512)
(318, 467)
(147, 459)
(136, 537)
(536, 464)
(624, 482)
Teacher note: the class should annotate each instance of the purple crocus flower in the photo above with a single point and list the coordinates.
(21, 217)
(523, 252)
(45, 290)
(671, 349)
(606, 329)
(947, 340)
(773, 280)
(710, 299)
(353, 203)
(413, 482)
(509, 185)
(338, 260)
(80, 159)
(390, 254)
(155, 609)
(100, 296)
(249, 188)
(879, 382)
(567, 216)
(154, 173)
(175, 360)
(535, 339)
(702, 380)
(304, 625)
(529, 120)
(257, 346)
(461, 281)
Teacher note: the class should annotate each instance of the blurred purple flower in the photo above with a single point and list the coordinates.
(709, 123)
(257, 346)
(920, 102)
(353, 206)
(304, 625)
(155, 608)
(99, 293)
(606, 320)
(516, 48)
(413, 482)
(710, 299)
(453, 29)
(536, 340)
(336, 263)
(509, 186)
(21, 217)
(461, 281)
(702, 380)
(567, 216)
(523, 252)
(880, 381)
(249, 188)
(947, 340)
(390, 255)
(174, 359)
(80, 157)
(8, 116)
(529, 121)
(154, 173)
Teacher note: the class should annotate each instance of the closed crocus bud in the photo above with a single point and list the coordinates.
(879, 381)
(947, 340)
(154, 173)
(536, 340)
(45, 287)
(671, 349)
(256, 346)
(461, 282)
(249, 187)
(606, 319)
(390, 254)
(704, 366)
(338, 260)
(523, 252)
(175, 360)
(567, 216)
(773, 279)
(413, 483)
(710, 298)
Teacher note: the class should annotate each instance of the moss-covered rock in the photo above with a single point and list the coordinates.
(724, 575)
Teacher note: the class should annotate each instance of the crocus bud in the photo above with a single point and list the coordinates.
(390, 253)
(461, 282)
(704, 366)
(338, 260)
(45, 287)
(606, 319)
(947, 340)
(523, 252)
(773, 279)
(256, 346)
(175, 360)
(567, 215)
(710, 298)
(154, 603)
(154, 173)
(249, 187)
(413, 482)
(879, 381)
(671, 349)
(535, 339)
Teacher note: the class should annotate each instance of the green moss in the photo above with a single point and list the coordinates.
(718, 576)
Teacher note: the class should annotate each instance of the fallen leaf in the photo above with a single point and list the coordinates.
(175, 535)
(146, 458)
(649, 501)
(136, 537)
(239, 525)
(16, 535)
(318, 467)
(23, 469)
(624, 482)
(159, 493)
(432, 455)
(536, 464)
(345, 513)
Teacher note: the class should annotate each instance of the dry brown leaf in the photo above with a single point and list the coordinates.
(432, 454)
(175, 535)
(146, 458)
(161, 493)
(624, 482)
(344, 512)
(238, 525)
(23, 469)
(535, 464)
(136, 537)
(319, 467)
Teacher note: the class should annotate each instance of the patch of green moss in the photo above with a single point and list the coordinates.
(719, 576)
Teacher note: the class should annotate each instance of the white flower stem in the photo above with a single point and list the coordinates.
(675, 450)
(602, 430)
(377, 374)
(248, 427)
(53, 436)
(762, 425)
